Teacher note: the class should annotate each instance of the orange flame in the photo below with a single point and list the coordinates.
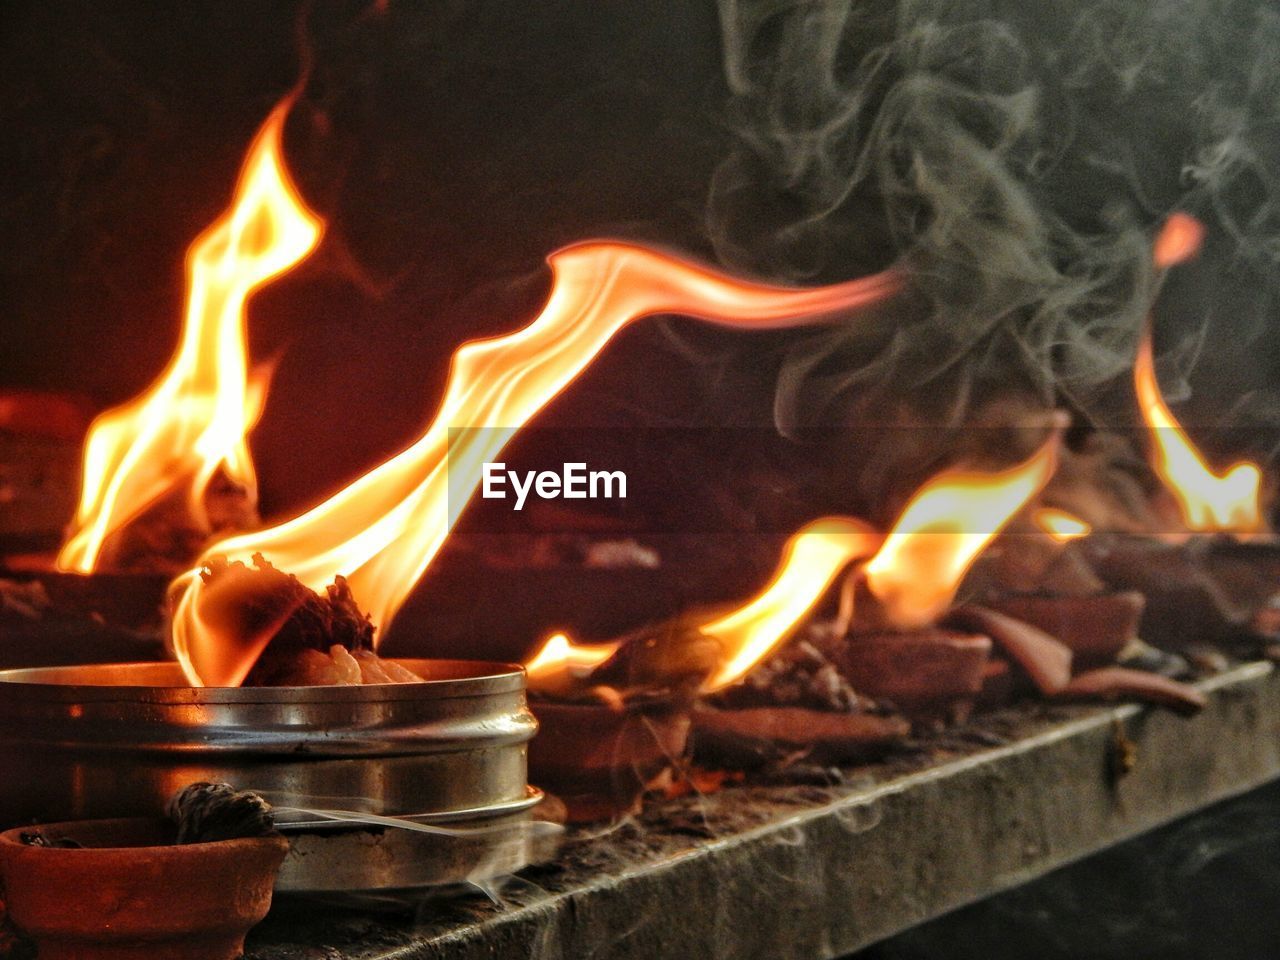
(1178, 241)
(1208, 501)
(914, 571)
(560, 658)
(192, 422)
(1062, 526)
(811, 561)
(942, 531)
(383, 530)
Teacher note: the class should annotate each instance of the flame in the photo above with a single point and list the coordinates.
(1178, 241)
(1227, 502)
(192, 422)
(1209, 501)
(811, 560)
(383, 530)
(1062, 526)
(561, 658)
(942, 531)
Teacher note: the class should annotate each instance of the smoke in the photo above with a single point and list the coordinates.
(1016, 159)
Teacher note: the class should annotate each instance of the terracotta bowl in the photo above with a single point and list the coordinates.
(926, 673)
(126, 895)
(1096, 626)
(598, 758)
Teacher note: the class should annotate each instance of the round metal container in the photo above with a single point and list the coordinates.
(116, 740)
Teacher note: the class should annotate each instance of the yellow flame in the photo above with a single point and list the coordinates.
(193, 421)
(1062, 526)
(811, 560)
(561, 658)
(1208, 501)
(942, 531)
(383, 530)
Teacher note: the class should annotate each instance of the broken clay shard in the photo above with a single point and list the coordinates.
(1121, 683)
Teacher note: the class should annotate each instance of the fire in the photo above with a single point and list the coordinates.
(561, 658)
(1227, 502)
(1062, 526)
(192, 422)
(914, 571)
(1209, 501)
(383, 530)
(942, 531)
(1179, 240)
(811, 561)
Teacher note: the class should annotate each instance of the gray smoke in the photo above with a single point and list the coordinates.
(1016, 159)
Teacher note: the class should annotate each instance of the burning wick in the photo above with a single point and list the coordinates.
(190, 426)
(811, 561)
(560, 664)
(383, 530)
(1210, 502)
(1060, 525)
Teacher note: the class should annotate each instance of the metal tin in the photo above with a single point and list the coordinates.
(115, 740)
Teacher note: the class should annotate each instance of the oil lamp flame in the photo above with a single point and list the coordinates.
(560, 658)
(811, 561)
(1061, 525)
(1178, 241)
(1209, 501)
(942, 531)
(192, 422)
(383, 530)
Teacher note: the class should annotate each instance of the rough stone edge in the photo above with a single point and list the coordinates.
(827, 881)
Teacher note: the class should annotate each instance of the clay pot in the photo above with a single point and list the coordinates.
(926, 673)
(1206, 590)
(599, 758)
(125, 894)
(1096, 626)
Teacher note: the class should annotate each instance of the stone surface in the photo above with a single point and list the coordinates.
(793, 870)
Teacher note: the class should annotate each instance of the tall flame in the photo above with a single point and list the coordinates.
(811, 560)
(1061, 525)
(193, 421)
(383, 530)
(1208, 501)
(942, 531)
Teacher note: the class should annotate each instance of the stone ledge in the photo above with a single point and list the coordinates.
(802, 871)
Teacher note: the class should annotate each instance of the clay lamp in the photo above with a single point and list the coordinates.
(1207, 589)
(151, 889)
(1208, 565)
(613, 714)
(110, 609)
(795, 705)
(613, 718)
(932, 671)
